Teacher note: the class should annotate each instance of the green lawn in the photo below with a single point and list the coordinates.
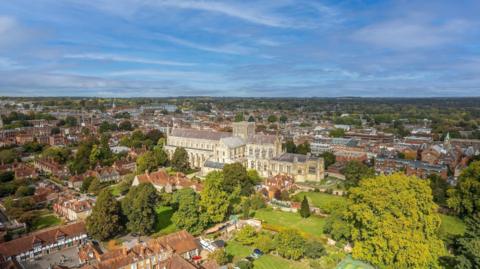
(310, 226)
(164, 223)
(238, 251)
(451, 226)
(45, 221)
(324, 201)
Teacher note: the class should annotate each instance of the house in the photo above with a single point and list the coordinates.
(25, 172)
(161, 180)
(173, 251)
(107, 174)
(73, 209)
(49, 166)
(279, 183)
(75, 182)
(43, 242)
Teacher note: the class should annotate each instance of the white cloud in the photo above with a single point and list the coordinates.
(226, 48)
(409, 34)
(121, 58)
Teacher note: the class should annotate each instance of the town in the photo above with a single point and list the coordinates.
(205, 182)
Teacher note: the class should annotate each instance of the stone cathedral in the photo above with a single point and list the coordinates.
(210, 150)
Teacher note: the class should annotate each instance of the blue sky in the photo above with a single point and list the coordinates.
(269, 48)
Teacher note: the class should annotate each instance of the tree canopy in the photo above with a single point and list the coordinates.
(105, 220)
(394, 222)
(465, 197)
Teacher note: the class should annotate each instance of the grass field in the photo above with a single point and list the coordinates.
(45, 221)
(322, 200)
(312, 226)
(268, 261)
(164, 223)
(451, 226)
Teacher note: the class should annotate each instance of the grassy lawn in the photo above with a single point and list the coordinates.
(45, 221)
(115, 190)
(451, 226)
(322, 200)
(164, 223)
(238, 251)
(312, 226)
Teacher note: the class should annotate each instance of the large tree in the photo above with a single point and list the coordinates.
(214, 200)
(188, 215)
(235, 175)
(139, 207)
(146, 162)
(468, 246)
(354, 171)
(290, 244)
(180, 160)
(106, 218)
(305, 208)
(465, 198)
(394, 222)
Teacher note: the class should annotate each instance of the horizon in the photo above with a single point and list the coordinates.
(252, 49)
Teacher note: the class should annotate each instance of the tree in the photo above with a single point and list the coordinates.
(86, 184)
(25, 191)
(272, 118)
(235, 175)
(337, 133)
(161, 157)
(247, 235)
(465, 197)
(58, 154)
(126, 125)
(214, 200)
(439, 188)
(336, 224)
(468, 246)
(283, 119)
(146, 162)
(239, 117)
(7, 156)
(290, 244)
(139, 207)
(354, 171)
(154, 135)
(305, 208)
(394, 222)
(95, 186)
(6, 176)
(328, 158)
(244, 264)
(220, 256)
(54, 131)
(303, 148)
(265, 242)
(71, 121)
(188, 215)
(290, 146)
(314, 249)
(251, 119)
(106, 219)
(180, 160)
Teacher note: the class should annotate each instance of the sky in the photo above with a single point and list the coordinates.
(274, 48)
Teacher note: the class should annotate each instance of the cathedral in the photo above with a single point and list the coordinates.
(210, 150)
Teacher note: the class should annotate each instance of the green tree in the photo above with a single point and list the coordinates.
(239, 117)
(25, 191)
(95, 186)
(290, 146)
(106, 219)
(235, 175)
(265, 242)
(251, 119)
(272, 118)
(290, 244)
(139, 207)
(188, 215)
(220, 256)
(180, 160)
(305, 208)
(247, 235)
(161, 157)
(8, 156)
(126, 125)
(86, 184)
(58, 154)
(214, 200)
(354, 171)
(328, 158)
(394, 223)
(146, 162)
(303, 148)
(6, 176)
(71, 121)
(468, 246)
(465, 197)
(439, 188)
(283, 119)
(337, 133)
(314, 249)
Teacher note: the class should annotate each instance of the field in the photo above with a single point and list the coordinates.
(312, 226)
(322, 200)
(268, 261)
(164, 223)
(45, 221)
(451, 226)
